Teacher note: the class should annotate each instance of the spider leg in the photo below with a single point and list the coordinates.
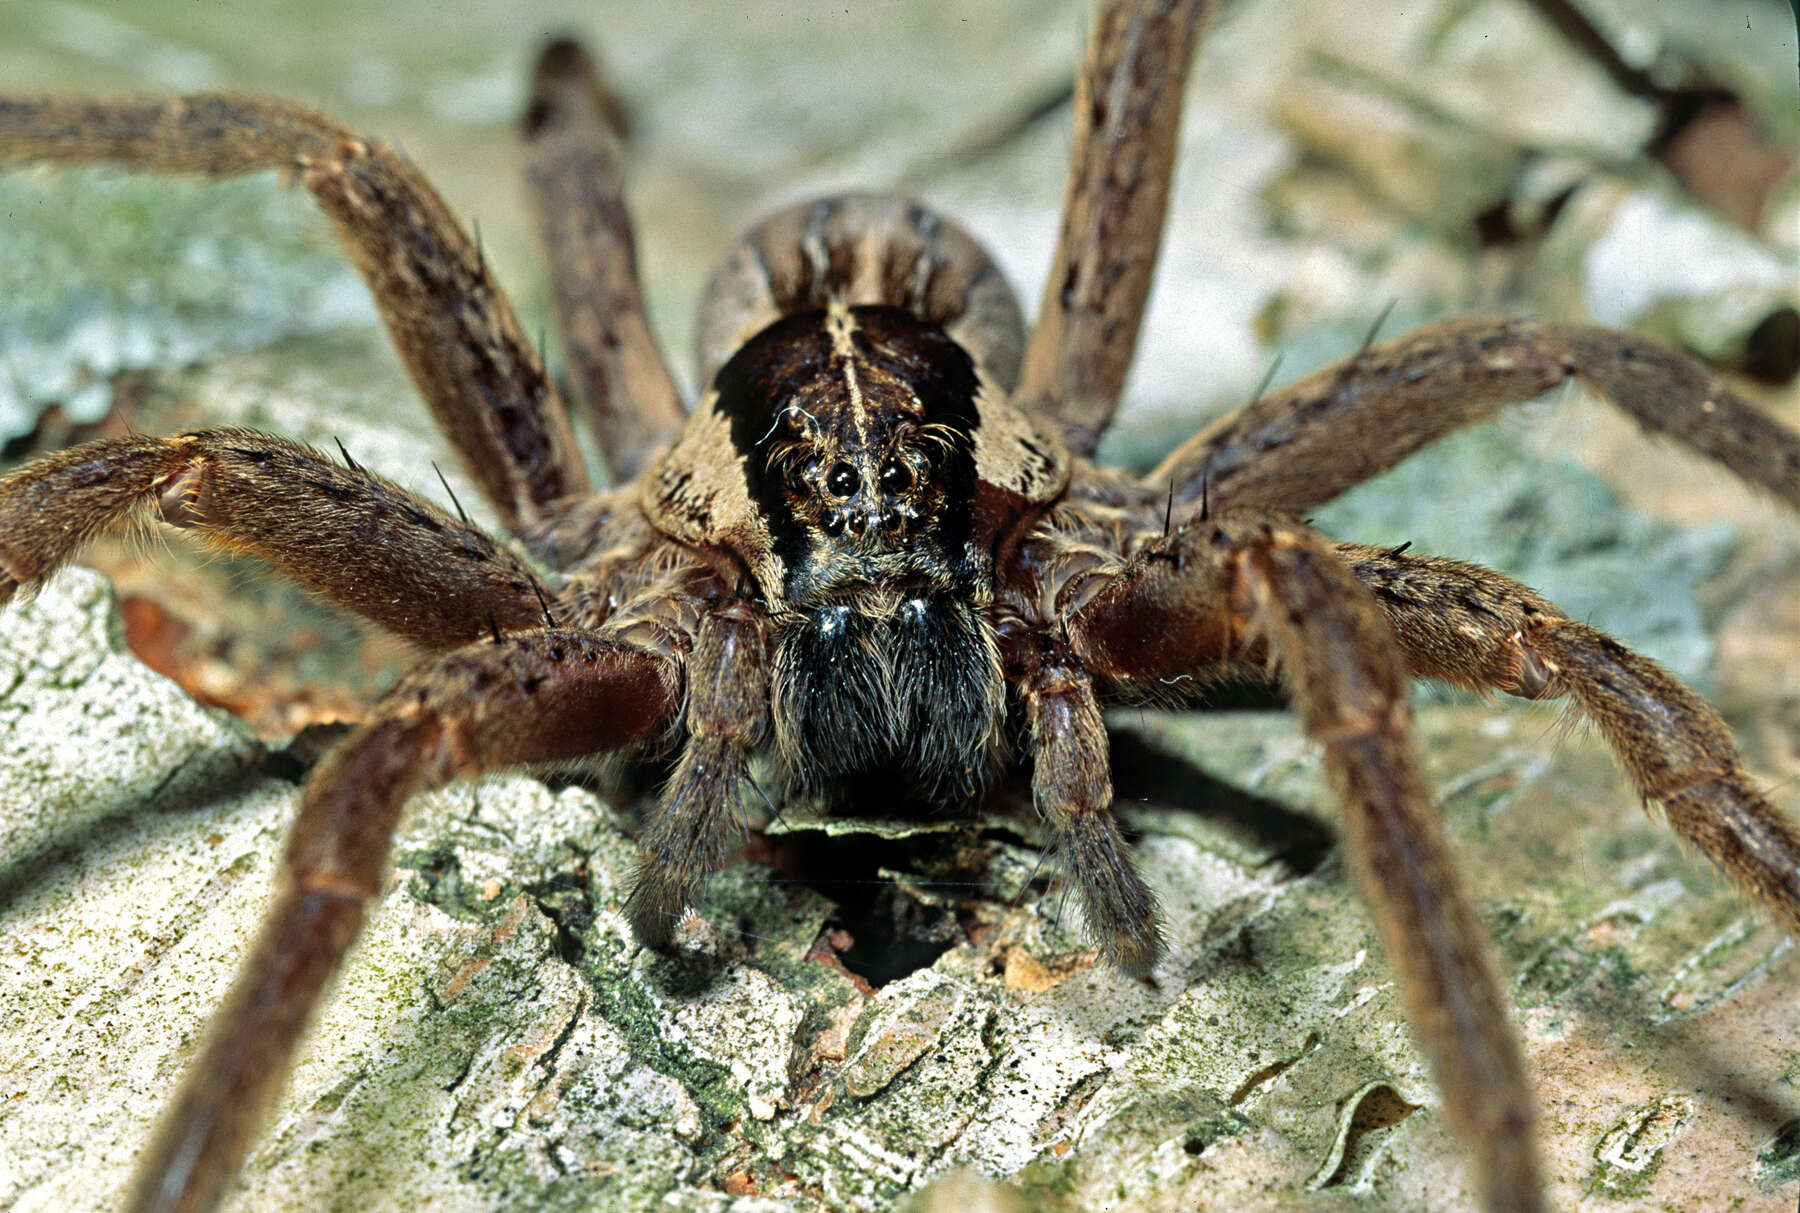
(1127, 108)
(547, 695)
(1310, 441)
(1218, 589)
(453, 327)
(1071, 784)
(688, 836)
(573, 130)
(362, 541)
(1473, 627)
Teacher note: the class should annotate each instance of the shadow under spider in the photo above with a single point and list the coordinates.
(1143, 771)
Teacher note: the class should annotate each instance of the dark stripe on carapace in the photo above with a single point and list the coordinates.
(798, 402)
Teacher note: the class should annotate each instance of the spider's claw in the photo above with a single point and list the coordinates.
(186, 500)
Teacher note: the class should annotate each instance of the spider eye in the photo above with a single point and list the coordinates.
(842, 480)
(896, 477)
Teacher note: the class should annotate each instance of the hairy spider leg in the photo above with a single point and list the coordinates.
(1251, 582)
(1127, 110)
(1306, 443)
(539, 696)
(574, 130)
(451, 324)
(1475, 628)
(360, 540)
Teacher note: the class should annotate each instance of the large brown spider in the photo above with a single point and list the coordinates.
(880, 525)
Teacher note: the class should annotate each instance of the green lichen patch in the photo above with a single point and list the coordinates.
(1778, 1162)
(102, 273)
(1632, 1150)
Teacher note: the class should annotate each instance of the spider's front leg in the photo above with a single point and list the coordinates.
(1247, 583)
(1299, 447)
(1475, 628)
(548, 695)
(362, 541)
(451, 324)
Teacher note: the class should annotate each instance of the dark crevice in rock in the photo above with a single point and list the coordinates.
(883, 929)
(1778, 1162)
(1379, 1108)
(293, 762)
(1273, 1070)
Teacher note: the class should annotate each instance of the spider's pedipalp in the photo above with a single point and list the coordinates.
(688, 835)
(540, 696)
(1071, 784)
(1248, 583)
(1127, 108)
(360, 540)
(452, 326)
(1475, 628)
(572, 130)
(1299, 447)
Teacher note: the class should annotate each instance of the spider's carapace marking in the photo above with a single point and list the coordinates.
(878, 548)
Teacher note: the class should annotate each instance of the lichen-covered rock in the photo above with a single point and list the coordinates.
(497, 1040)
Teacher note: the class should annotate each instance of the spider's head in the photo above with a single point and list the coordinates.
(855, 450)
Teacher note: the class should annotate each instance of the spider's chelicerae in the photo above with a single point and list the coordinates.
(877, 549)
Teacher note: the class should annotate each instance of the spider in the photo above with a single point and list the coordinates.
(877, 548)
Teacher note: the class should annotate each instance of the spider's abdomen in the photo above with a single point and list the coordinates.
(863, 249)
(889, 703)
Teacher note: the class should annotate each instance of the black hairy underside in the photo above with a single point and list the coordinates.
(894, 710)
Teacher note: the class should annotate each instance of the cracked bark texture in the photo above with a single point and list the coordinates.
(498, 1042)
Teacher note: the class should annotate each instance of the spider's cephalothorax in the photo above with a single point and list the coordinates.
(855, 432)
(878, 545)
(859, 467)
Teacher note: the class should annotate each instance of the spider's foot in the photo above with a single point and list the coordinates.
(1133, 952)
(658, 900)
(1122, 917)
